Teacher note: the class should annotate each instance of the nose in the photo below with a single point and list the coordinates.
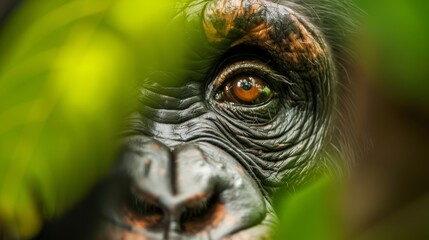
(192, 190)
(179, 186)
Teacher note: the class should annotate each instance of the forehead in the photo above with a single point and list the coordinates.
(192, 35)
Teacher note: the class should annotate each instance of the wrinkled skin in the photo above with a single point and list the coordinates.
(199, 165)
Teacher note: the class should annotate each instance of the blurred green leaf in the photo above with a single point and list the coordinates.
(311, 213)
(66, 80)
(394, 46)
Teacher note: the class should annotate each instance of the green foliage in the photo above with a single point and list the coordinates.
(68, 76)
(311, 213)
(394, 45)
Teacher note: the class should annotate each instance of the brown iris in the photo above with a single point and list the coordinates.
(246, 89)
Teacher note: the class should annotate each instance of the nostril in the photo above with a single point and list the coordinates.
(197, 212)
(145, 209)
(203, 215)
(140, 213)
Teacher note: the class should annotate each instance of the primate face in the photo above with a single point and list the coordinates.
(204, 155)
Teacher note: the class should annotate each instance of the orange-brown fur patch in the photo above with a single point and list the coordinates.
(301, 44)
(260, 33)
(228, 12)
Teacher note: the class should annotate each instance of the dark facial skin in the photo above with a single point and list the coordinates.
(207, 150)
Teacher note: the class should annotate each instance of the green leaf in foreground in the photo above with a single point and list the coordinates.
(65, 80)
(393, 47)
(312, 213)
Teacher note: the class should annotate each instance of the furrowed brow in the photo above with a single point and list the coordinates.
(273, 27)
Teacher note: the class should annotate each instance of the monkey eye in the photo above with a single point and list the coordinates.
(246, 90)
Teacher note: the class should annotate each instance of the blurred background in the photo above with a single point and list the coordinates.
(385, 196)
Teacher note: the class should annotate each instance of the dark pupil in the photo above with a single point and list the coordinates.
(246, 85)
